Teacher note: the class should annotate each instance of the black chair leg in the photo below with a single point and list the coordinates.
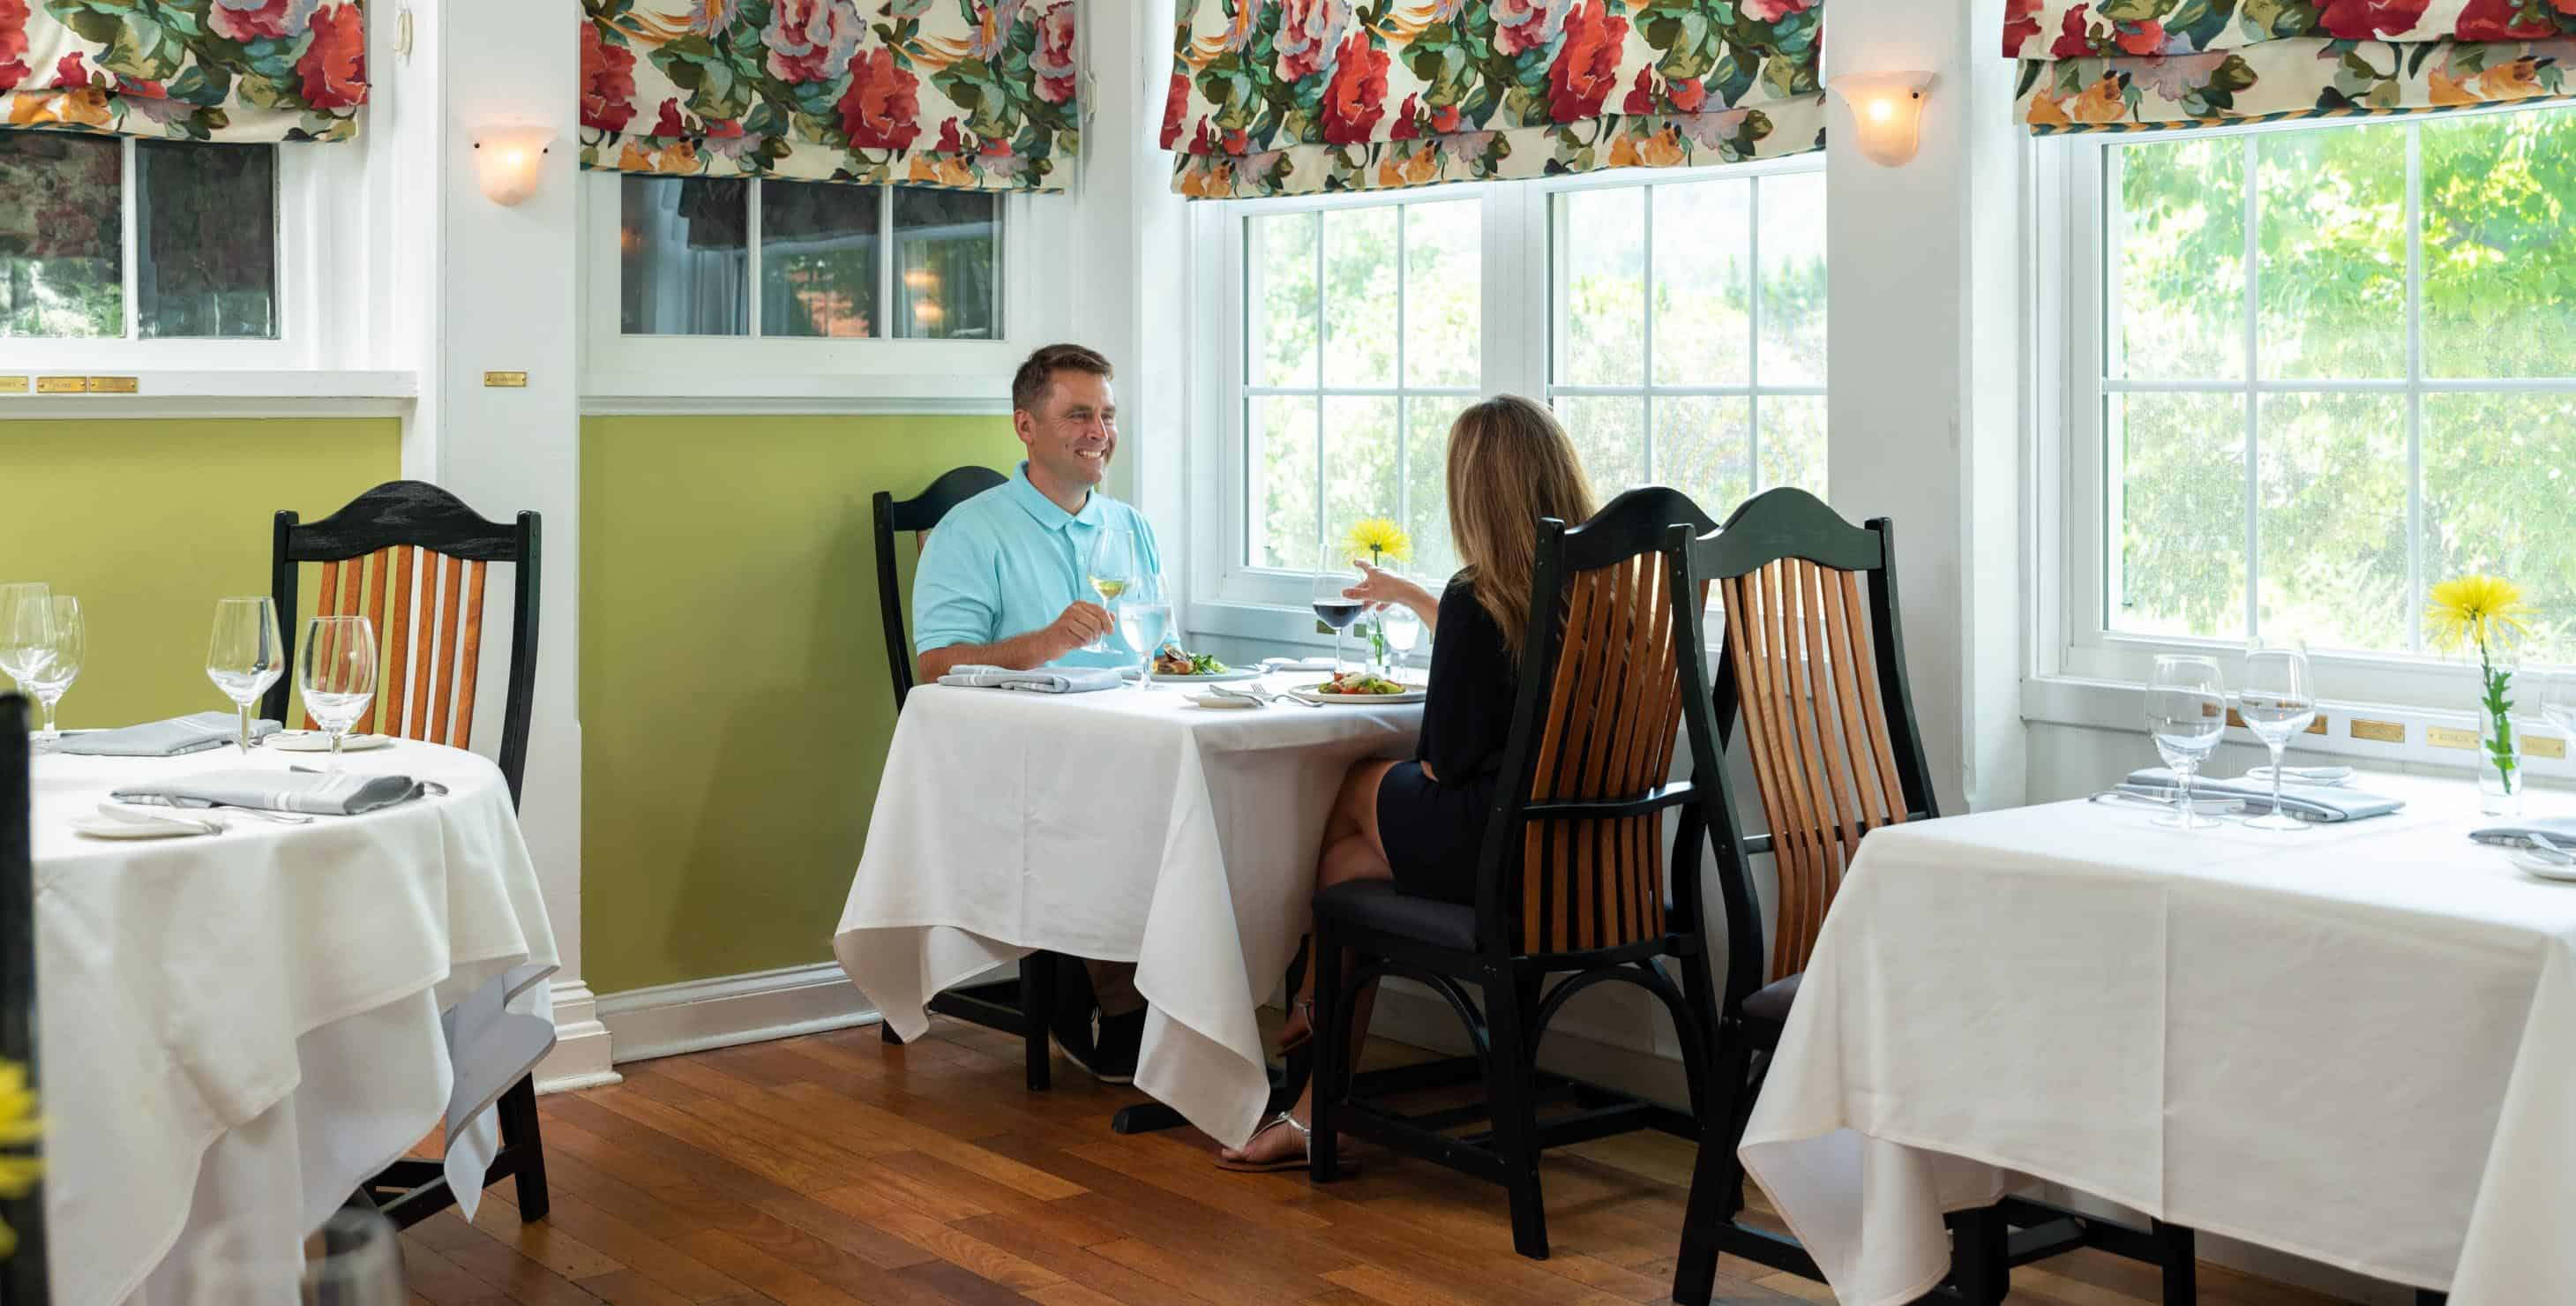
(2428, 1297)
(1330, 1047)
(2181, 1263)
(1980, 1262)
(1037, 1011)
(518, 1114)
(1717, 1179)
(886, 1034)
(1511, 1089)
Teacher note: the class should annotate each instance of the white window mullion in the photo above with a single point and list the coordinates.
(1753, 332)
(130, 242)
(752, 254)
(1323, 357)
(1403, 466)
(885, 262)
(2253, 395)
(2414, 385)
(1646, 265)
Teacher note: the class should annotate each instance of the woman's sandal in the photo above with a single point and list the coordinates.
(1288, 1043)
(1278, 1165)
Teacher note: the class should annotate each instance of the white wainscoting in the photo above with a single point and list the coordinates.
(670, 1019)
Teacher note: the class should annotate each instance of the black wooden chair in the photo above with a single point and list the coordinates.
(22, 1275)
(1573, 877)
(414, 552)
(1024, 1006)
(1814, 668)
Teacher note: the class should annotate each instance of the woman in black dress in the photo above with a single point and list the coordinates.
(1422, 823)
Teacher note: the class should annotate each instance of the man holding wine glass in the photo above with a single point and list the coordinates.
(1020, 576)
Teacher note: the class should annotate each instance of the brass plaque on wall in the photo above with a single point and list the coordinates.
(2450, 737)
(506, 380)
(113, 385)
(62, 385)
(2380, 732)
(2543, 746)
(13, 385)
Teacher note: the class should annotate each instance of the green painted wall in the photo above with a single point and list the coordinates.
(150, 522)
(734, 702)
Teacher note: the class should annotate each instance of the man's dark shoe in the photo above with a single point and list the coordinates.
(1116, 1043)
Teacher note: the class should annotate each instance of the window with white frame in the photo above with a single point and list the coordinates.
(1674, 321)
(734, 257)
(104, 238)
(2317, 371)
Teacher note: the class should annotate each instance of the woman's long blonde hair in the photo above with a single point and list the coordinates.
(1510, 464)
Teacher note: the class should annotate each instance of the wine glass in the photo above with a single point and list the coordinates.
(337, 674)
(2187, 712)
(1111, 566)
(1331, 606)
(249, 1263)
(245, 656)
(1144, 620)
(65, 651)
(2277, 702)
(26, 630)
(1402, 627)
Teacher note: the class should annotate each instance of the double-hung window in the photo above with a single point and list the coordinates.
(2313, 372)
(1674, 321)
(108, 238)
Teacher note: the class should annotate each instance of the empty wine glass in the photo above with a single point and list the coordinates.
(245, 656)
(26, 630)
(2187, 712)
(337, 674)
(2277, 702)
(1332, 576)
(250, 1263)
(1144, 621)
(66, 649)
(1113, 564)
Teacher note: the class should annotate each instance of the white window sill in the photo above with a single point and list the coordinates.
(2120, 707)
(647, 394)
(166, 394)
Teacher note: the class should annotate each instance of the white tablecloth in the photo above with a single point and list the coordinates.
(2356, 1043)
(1120, 826)
(245, 1025)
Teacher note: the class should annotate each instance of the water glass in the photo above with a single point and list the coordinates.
(1332, 606)
(1112, 566)
(1403, 628)
(1144, 622)
(66, 649)
(249, 1263)
(26, 630)
(337, 674)
(2186, 712)
(2277, 702)
(245, 655)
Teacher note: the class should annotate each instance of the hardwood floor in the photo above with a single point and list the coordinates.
(834, 1169)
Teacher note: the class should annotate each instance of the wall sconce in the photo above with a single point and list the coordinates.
(509, 159)
(1887, 108)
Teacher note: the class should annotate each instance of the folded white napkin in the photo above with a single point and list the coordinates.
(1043, 680)
(2313, 802)
(313, 793)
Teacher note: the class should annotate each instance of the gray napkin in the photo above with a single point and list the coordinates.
(1044, 680)
(313, 793)
(179, 734)
(2560, 830)
(2311, 802)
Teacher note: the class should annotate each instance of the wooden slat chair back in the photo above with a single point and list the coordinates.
(1613, 716)
(414, 560)
(918, 515)
(1806, 608)
(22, 1275)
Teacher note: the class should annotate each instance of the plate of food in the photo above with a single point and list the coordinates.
(1360, 687)
(1178, 666)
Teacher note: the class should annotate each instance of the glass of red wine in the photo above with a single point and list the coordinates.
(1333, 574)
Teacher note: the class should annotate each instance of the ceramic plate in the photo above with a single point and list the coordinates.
(1217, 678)
(315, 741)
(2542, 866)
(1316, 694)
(104, 827)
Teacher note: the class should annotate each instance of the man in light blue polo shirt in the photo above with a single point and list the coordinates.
(1002, 583)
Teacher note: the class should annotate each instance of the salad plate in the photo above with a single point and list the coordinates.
(1357, 687)
(1178, 666)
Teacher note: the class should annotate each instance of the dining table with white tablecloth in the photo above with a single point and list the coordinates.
(2355, 1043)
(246, 1025)
(1127, 825)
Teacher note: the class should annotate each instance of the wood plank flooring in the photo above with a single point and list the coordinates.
(833, 1169)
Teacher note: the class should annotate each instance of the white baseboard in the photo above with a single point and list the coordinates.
(670, 1019)
(581, 1056)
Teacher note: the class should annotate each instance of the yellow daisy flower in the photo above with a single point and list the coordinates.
(2476, 609)
(19, 1127)
(1381, 537)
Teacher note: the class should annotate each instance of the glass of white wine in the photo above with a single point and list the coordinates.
(1111, 568)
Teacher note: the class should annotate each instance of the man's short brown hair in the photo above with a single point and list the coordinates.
(1029, 387)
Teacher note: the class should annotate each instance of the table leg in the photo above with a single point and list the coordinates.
(1979, 1268)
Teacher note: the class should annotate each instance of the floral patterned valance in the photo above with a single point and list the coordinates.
(1288, 97)
(2144, 65)
(201, 70)
(960, 94)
